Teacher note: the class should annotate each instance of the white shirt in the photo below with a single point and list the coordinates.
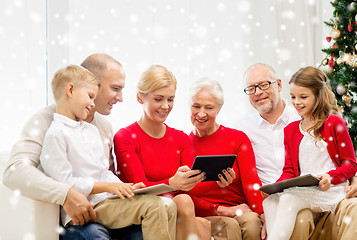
(268, 142)
(73, 153)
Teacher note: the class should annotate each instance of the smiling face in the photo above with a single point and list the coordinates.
(204, 110)
(82, 101)
(303, 100)
(265, 101)
(157, 104)
(111, 90)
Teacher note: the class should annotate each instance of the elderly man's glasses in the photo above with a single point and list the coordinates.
(262, 86)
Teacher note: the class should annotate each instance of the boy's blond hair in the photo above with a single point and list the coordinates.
(77, 75)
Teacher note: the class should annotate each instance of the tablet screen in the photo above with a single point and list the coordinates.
(213, 165)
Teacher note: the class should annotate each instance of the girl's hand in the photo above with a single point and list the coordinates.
(230, 176)
(264, 195)
(182, 179)
(325, 181)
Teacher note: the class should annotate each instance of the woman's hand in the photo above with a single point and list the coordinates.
(263, 233)
(230, 176)
(325, 181)
(237, 210)
(182, 179)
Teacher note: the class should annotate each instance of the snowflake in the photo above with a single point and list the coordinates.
(239, 212)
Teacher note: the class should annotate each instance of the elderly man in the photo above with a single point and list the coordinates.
(22, 172)
(265, 131)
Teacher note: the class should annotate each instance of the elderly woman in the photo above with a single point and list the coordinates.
(233, 204)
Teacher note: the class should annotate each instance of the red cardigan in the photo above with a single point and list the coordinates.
(207, 196)
(339, 147)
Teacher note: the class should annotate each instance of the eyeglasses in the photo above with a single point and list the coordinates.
(262, 86)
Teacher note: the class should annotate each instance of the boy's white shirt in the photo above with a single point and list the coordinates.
(72, 153)
(23, 168)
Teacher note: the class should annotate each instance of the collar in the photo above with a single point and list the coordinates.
(67, 121)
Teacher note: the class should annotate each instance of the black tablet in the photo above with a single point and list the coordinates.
(213, 165)
(301, 181)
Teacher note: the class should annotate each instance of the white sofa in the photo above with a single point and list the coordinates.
(24, 218)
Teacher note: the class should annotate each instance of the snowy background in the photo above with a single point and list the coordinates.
(192, 38)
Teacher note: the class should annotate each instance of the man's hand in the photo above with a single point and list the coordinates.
(263, 233)
(78, 208)
(351, 190)
(230, 176)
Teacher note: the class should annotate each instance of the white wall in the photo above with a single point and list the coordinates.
(192, 38)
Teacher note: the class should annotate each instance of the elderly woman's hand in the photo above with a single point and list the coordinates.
(229, 174)
(183, 179)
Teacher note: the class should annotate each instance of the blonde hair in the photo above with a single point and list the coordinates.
(77, 75)
(208, 84)
(325, 104)
(155, 77)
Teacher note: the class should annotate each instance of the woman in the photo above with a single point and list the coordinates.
(232, 206)
(149, 151)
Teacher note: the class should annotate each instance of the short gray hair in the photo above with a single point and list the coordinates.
(270, 69)
(208, 84)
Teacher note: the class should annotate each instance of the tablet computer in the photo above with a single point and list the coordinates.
(213, 165)
(301, 181)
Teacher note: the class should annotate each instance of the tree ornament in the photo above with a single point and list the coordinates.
(335, 33)
(352, 61)
(349, 26)
(339, 61)
(347, 99)
(331, 62)
(347, 57)
(340, 89)
(356, 18)
(328, 69)
(325, 61)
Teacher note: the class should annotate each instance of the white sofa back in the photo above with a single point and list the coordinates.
(25, 218)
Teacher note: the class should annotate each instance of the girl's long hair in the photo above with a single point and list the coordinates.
(325, 104)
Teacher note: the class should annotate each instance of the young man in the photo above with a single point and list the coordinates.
(265, 131)
(22, 172)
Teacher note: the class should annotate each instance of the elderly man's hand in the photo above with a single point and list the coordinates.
(351, 190)
(78, 208)
(229, 174)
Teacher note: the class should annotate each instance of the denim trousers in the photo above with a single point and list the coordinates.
(94, 231)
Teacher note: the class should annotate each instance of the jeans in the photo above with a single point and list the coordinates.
(94, 231)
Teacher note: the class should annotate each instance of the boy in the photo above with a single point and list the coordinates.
(72, 152)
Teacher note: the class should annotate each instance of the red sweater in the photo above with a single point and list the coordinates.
(142, 158)
(207, 196)
(339, 147)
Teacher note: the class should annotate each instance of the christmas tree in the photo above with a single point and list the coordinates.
(340, 64)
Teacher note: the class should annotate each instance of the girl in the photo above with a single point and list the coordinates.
(319, 144)
(151, 152)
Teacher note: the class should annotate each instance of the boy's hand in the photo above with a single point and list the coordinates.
(137, 186)
(120, 189)
(325, 181)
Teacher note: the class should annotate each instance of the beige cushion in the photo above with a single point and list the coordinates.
(24, 218)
